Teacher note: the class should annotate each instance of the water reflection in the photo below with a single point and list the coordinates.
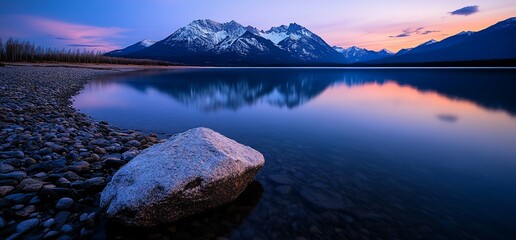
(211, 224)
(447, 118)
(216, 89)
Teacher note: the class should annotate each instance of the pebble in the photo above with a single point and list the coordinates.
(27, 225)
(16, 175)
(134, 143)
(64, 203)
(26, 211)
(12, 154)
(5, 190)
(51, 234)
(5, 168)
(67, 228)
(49, 222)
(30, 185)
(50, 153)
(130, 154)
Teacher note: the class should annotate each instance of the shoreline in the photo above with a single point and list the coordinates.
(129, 68)
(54, 160)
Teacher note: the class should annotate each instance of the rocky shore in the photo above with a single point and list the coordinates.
(54, 161)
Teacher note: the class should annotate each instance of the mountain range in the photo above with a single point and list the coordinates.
(206, 42)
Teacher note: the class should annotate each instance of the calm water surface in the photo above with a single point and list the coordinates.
(350, 154)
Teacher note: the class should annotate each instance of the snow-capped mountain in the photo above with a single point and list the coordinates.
(207, 42)
(301, 43)
(133, 48)
(203, 35)
(355, 54)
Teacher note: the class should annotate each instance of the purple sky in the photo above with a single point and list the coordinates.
(374, 24)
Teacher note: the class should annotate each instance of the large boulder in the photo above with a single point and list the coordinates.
(190, 172)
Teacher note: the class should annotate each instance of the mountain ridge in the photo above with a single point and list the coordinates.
(207, 42)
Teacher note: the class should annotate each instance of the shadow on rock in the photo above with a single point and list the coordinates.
(208, 225)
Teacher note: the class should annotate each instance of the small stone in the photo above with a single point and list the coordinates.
(71, 176)
(99, 150)
(35, 200)
(49, 222)
(51, 234)
(83, 217)
(17, 207)
(63, 182)
(40, 175)
(9, 182)
(26, 211)
(2, 222)
(96, 183)
(5, 168)
(67, 228)
(20, 197)
(61, 218)
(64, 203)
(94, 157)
(80, 166)
(16, 175)
(100, 142)
(134, 143)
(27, 225)
(77, 184)
(12, 154)
(128, 155)
(55, 147)
(5, 190)
(30, 185)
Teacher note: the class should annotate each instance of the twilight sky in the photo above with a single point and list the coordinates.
(374, 24)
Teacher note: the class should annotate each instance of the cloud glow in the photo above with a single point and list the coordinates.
(59, 33)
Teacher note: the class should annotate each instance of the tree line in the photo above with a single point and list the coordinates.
(14, 50)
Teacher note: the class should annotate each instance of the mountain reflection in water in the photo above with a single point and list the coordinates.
(216, 89)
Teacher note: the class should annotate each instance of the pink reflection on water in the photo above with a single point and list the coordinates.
(110, 96)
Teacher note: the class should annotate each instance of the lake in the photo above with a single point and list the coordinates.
(350, 153)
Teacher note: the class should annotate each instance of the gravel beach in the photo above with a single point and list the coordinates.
(54, 161)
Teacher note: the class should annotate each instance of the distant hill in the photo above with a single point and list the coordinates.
(356, 54)
(131, 49)
(495, 42)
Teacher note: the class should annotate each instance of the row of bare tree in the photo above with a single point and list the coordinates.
(14, 50)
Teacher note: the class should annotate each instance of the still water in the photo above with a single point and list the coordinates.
(350, 153)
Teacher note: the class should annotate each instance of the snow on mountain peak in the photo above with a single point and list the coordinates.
(385, 51)
(465, 33)
(205, 33)
(338, 49)
(432, 41)
(147, 42)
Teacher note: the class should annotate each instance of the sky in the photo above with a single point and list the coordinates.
(373, 24)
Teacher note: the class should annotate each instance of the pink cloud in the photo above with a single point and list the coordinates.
(63, 34)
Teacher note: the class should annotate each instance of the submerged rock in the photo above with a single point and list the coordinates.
(191, 172)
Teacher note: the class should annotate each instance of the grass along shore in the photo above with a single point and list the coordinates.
(55, 161)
